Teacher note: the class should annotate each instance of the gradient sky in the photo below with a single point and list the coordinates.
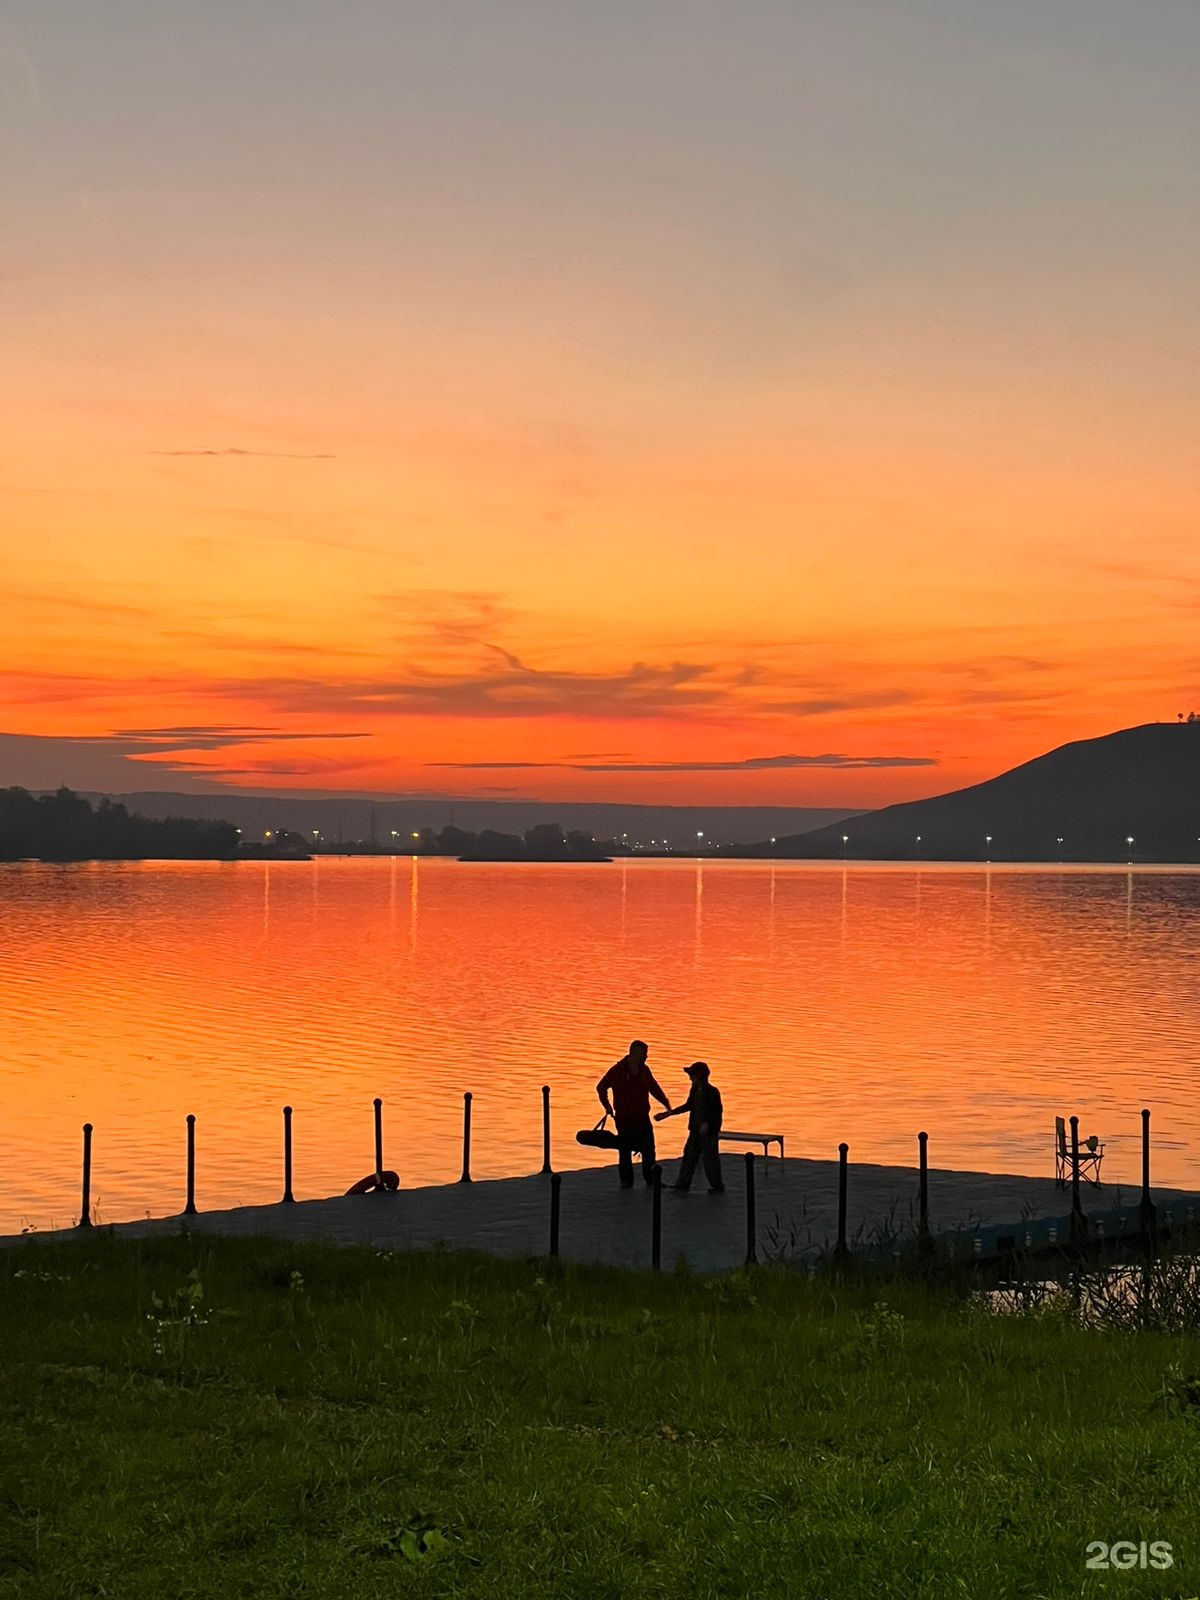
(790, 401)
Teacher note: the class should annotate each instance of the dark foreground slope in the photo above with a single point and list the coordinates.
(1092, 795)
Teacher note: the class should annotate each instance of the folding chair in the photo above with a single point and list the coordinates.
(1091, 1154)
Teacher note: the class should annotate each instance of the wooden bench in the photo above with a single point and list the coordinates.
(764, 1139)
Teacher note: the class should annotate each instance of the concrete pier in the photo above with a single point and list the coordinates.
(600, 1223)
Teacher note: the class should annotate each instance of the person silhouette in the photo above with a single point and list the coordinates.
(705, 1112)
(631, 1083)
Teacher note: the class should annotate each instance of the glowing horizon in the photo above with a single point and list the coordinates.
(593, 406)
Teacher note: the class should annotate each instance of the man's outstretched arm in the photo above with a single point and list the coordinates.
(656, 1091)
(602, 1089)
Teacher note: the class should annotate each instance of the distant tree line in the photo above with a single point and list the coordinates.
(545, 842)
(65, 827)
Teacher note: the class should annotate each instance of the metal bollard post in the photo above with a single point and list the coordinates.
(1078, 1229)
(924, 1241)
(1148, 1214)
(466, 1171)
(378, 1134)
(841, 1251)
(656, 1220)
(288, 1196)
(85, 1209)
(555, 1204)
(189, 1209)
(545, 1129)
(751, 1223)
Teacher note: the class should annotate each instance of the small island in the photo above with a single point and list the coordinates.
(545, 842)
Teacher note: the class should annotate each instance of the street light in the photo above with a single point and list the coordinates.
(1129, 845)
(987, 839)
(845, 842)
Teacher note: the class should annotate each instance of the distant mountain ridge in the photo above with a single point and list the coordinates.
(1093, 795)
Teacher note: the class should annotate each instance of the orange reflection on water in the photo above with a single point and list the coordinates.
(861, 1003)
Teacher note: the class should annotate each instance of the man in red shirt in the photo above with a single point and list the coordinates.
(631, 1083)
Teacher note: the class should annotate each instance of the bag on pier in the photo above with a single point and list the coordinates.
(601, 1137)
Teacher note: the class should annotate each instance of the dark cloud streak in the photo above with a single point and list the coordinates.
(270, 455)
(750, 764)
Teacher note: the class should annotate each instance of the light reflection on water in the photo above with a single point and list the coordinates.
(859, 1003)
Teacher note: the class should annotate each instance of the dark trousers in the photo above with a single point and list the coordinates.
(637, 1137)
(700, 1147)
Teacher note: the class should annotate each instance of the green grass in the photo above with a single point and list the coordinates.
(347, 1424)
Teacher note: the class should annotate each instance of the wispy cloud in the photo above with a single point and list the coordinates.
(514, 689)
(270, 455)
(204, 736)
(65, 600)
(750, 764)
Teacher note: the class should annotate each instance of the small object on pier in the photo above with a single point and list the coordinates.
(376, 1181)
(85, 1208)
(1067, 1158)
(1147, 1215)
(189, 1209)
(840, 1250)
(546, 1130)
(599, 1137)
(466, 1167)
(288, 1196)
(924, 1238)
(555, 1206)
(764, 1139)
(1079, 1223)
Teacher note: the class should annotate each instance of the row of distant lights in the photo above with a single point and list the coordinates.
(987, 838)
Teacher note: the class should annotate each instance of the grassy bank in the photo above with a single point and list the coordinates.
(220, 1418)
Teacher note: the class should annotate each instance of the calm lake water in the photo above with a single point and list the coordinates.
(862, 1004)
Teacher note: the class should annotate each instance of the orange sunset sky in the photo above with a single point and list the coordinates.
(766, 404)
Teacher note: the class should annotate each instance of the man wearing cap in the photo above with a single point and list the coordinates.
(631, 1084)
(704, 1109)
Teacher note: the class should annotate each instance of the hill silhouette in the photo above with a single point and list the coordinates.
(1092, 795)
